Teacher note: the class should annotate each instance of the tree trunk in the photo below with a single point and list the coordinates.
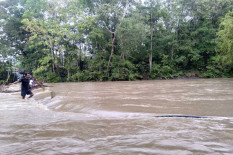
(68, 72)
(58, 70)
(150, 61)
(56, 63)
(151, 45)
(53, 62)
(112, 52)
(52, 53)
(114, 37)
(172, 51)
(123, 55)
(8, 75)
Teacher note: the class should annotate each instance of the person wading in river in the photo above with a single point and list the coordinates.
(25, 87)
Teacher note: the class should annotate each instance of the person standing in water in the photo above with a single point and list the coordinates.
(25, 87)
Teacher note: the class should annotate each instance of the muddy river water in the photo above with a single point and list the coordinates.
(140, 117)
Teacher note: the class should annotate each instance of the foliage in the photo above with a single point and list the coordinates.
(6, 75)
(100, 40)
(164, 72)
(3, 73)
(226, 38)
(123, 70)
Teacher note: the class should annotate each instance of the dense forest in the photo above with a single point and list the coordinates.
(109, 40)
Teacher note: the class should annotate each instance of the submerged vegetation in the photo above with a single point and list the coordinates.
(100, 40)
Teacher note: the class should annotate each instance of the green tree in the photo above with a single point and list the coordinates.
(226, 39)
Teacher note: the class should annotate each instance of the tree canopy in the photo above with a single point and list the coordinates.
(99, 40)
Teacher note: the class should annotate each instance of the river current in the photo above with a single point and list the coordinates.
(139, 117)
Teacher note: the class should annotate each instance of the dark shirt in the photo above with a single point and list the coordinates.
(25, 83)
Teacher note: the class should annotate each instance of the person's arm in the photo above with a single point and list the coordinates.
(18, 81)
(13, 83)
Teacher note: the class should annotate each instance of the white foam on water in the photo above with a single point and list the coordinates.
(116, 114)
(143, 105)
(38, 104)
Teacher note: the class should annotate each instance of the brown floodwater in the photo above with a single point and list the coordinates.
(140, 117)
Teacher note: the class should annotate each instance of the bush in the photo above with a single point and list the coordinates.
(164, 72)
(214, 69)
(3, 75)
(48, 76)
(52, 77)
(79, 76)
(123, 70)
